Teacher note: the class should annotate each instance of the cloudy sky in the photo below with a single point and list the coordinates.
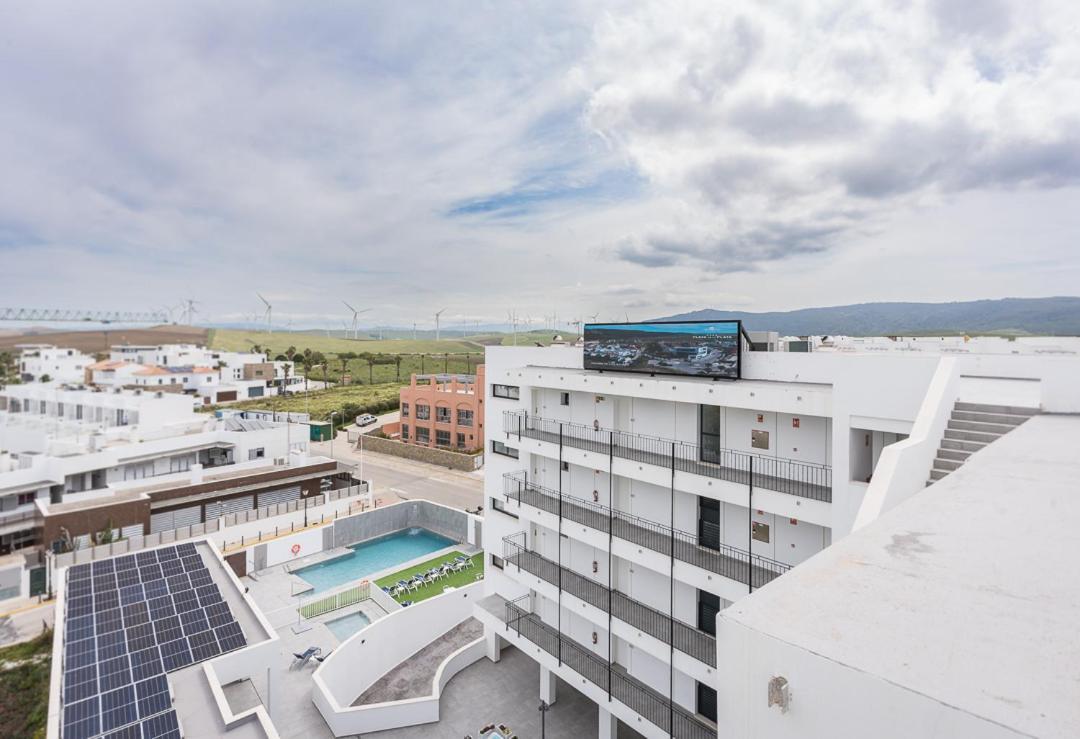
(574, 157)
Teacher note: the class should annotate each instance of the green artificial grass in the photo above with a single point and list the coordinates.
(24, 687)
(456, 579)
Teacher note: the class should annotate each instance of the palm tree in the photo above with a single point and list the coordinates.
(345, 358)
(397, 362)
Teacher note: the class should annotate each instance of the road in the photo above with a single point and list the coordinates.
(395, 479)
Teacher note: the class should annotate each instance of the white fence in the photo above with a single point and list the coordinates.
(319, 508)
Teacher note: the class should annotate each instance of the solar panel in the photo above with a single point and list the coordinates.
(185, 549)
(162, 726)
(146, 688)
(194, 622)
(153, 572)
(128, 732)
(146, 664)
(78, 572)
(178, 583)
(105, 601)
(204, 645)
(112, 650)
(172, 567)
(80, 606)
(193, 563)
(113, 673)
(230, 637)
(167, 554)
(136, 613)
(80, 659)
(185, 600)
(102, 566)
(80, 627)
(201, 578)
(118, 708)
(81, 587)
(175, 654)
(127, 562)
(80, 683)
(156, 588)
(131, 594)
(140, 637)
(146, 557)
(125, 578)
(208, 594)
(104, 582)
(82, 719)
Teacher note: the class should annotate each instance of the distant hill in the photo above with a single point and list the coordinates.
(1059, 316)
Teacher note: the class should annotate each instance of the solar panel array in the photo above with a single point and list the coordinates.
(129, 621)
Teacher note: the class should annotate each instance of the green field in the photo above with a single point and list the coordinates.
(351, 399)
(279, 341)
(456, 579)
(24, 687)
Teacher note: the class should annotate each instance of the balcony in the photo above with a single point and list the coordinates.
(726, 561)
(687, 639)
(611, 678)
(801, 479)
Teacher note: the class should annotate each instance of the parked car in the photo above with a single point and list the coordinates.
(365, 419)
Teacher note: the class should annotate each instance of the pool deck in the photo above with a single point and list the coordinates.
(315, 559)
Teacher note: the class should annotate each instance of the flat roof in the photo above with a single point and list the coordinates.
(967, 593)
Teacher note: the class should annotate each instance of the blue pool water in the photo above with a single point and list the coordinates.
(373, 556)
(346, 626)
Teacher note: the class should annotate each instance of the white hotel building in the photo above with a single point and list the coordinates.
(594, 479)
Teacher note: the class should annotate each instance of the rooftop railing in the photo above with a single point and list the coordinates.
(803, 479)
(659, 625)
(671, 718)
(721, 559)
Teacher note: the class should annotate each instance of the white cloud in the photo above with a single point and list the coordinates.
(781, 129)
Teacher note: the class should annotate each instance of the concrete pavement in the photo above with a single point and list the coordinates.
(397, 479)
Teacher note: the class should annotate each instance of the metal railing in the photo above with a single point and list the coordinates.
(802, 479)
(643, 700)
(326, 603)
(722, 559)
(685, 638)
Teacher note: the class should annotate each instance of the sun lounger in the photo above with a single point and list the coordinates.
(306, 655)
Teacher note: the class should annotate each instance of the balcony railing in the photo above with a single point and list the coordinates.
(612, 678)
(686, 638)
(803, 479)
(722, 559)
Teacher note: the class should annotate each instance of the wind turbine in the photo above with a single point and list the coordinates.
(190, 310)
(269, 314)
(355, 323)
(513, 321)
(437, 323)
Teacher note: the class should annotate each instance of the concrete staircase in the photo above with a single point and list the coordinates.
(971, 427)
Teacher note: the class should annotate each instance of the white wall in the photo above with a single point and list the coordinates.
(828, 699)
(375, 650)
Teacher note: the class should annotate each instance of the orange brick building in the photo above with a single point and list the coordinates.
(444, 411)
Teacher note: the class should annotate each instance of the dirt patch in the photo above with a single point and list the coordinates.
(99, 340)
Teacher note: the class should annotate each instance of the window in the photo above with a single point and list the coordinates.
(565, 466)
(26, 498)
(256, 453)
(499, 448)
(710, 433)
(179, 464)
(706, 701)
(564, 398)
(78, 412)
(461, 441)
(404, 410)
(442, 438)
(423, 412)
(708, 607)
(512, 392)
(497, 562)
(404, 432)
(442, 414)
(423, 435)
(464, 417)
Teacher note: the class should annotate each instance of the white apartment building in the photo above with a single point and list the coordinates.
(594, 479)
(58, 364)
(63, 445)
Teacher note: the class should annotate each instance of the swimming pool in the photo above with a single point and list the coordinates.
(373, 556)
(346, 626)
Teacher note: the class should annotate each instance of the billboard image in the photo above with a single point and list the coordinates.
(693, 348)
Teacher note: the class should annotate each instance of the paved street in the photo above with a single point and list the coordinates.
(397, 479)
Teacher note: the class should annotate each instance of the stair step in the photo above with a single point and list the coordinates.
(987, 428)
(1012, 410)
(1003, 418)
(957, 455)
(946, 464)
(936, 474)
(960, 435)
(959, 445)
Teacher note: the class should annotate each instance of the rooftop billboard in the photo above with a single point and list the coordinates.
(690, 348)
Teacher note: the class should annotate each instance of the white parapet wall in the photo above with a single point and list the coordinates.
(373, 651)
(904, 466)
